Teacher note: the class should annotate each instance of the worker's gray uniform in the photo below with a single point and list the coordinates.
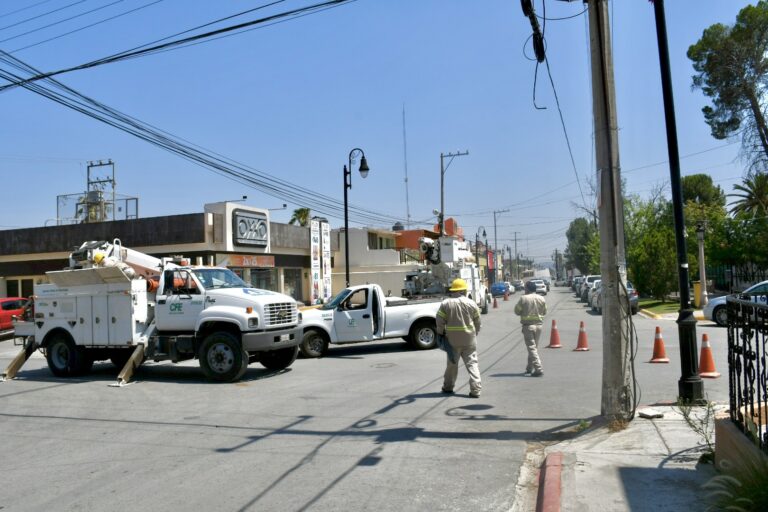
(459, 319)
(531, 308)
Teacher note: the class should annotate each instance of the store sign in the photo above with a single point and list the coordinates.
(250, 261)
(250, 228)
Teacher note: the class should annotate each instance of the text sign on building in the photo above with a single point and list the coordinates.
(315, 282)
(250, 228)
(325, 231)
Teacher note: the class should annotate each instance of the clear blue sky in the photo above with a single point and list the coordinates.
(293, 99)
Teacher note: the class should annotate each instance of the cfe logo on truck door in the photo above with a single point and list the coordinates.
(176, 307)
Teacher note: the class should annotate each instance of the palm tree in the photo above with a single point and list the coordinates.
(753, 196)
(300, 216)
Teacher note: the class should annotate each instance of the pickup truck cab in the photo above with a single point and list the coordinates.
(362, 313)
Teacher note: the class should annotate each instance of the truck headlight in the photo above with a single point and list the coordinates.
(253, 322)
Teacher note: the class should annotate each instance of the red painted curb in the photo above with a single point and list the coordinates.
(548, 499)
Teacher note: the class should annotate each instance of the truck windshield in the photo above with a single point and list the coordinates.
(338, 299)
(213, 278)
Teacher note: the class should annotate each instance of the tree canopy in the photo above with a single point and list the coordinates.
(578, 254)
(731, 64)
(300, 216)
(700, 189)
(752, 196)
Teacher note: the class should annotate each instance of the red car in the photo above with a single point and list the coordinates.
(9, 307)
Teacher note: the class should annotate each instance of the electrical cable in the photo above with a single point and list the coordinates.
(60, 21)
(220, 165)
(154, 49)
(41, 15)
(120, 15)
(565, 18)
(24, 8)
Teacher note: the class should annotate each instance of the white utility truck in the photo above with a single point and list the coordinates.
(362, 313)
(447, 260)
(120, 304)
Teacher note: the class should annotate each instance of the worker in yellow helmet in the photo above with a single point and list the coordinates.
(459, 320)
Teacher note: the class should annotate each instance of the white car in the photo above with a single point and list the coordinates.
(594, 289)
(541, 286)
(715, 309)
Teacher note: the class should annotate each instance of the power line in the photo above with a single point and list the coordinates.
(218, 164)
(120, 15)
(24, 8)
(142, 51)
(41, 15)
(60, 21)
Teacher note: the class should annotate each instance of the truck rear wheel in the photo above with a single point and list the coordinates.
(222, 359)
(313, 344)
(279, 359)
(65, 359)
(423, 335)
(484, 306)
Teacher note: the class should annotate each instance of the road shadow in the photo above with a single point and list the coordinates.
(357, 351)
(666, 488)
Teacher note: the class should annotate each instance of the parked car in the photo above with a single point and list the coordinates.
(546, 282)
(586, 285)
(576, 284)
(541, 288)
(518, 284)
(634, 298)
(510, 287)
(715, 309)
(10, 307)
(499, 288)
(594, 289)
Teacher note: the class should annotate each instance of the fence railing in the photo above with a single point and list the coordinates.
(747, 367)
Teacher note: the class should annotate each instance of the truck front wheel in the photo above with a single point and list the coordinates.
(222, 359)
(279, 359)
(65, 359)
(313, 344)
(423, 335)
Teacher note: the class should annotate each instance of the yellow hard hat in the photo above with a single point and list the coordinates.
(458, 285)
(98, 257)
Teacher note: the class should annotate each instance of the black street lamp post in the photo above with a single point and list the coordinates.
(347, 185)
(477, 246)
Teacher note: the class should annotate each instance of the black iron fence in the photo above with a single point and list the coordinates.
(747, 366)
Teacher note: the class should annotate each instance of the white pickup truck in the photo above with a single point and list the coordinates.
(362, 313)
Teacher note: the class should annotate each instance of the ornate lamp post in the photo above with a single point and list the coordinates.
(347, 185)
(477, 245)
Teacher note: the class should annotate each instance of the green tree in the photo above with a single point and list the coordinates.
(700, 189)
(731, 64)
(577, 254)
(650, 246)
(753, 196)
(300, 216)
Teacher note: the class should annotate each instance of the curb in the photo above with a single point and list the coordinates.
(548, 498)
(697, 314)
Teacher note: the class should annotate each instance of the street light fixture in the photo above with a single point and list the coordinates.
(347, 185)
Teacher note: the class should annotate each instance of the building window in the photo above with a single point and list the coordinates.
(292, 282)
(377, 242)
(264, 278)
(19, 287)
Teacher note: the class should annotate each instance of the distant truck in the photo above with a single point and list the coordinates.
(362, 313)
(117, 304)
(448, 259)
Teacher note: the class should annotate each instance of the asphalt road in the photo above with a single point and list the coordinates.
(365, 428)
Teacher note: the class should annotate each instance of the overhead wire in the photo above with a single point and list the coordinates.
(143, 51)
(220, 165)
(42, 15)
(90, 25)
(24, 8)
(58, 22)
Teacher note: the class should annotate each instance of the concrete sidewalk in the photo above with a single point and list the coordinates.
(650, 465)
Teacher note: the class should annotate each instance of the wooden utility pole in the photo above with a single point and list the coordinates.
(617, 397)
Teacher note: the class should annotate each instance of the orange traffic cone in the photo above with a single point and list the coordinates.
(495, 303)
(582, 345)
(506, 295)
(706, 361)
(554, 337)
(659, 353)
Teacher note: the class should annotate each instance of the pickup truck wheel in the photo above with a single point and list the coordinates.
(279, 359)
(222, 359)
(423, 335)
(65, 359)
(313, 344)
(720, 315)
(484, 307)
